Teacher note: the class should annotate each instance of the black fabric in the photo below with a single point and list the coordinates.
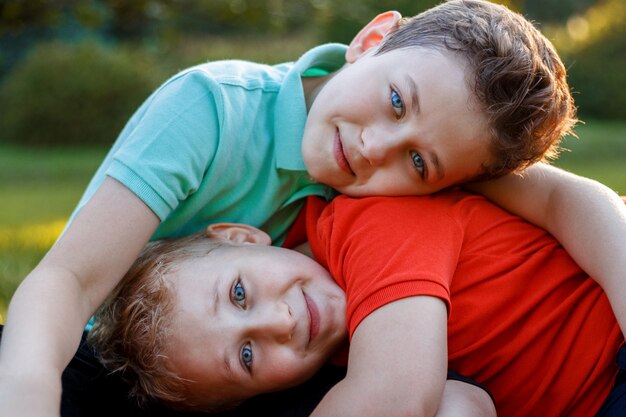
(615, 404)
(455, 376)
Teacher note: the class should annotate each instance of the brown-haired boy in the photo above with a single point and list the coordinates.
(487, 95)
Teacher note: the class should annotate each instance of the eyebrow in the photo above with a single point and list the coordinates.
(229, 372)
(415, 100)
(216, 298)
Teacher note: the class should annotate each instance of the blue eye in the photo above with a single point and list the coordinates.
(239, 294)
(246, 356)
(418, 162)
(397, 104)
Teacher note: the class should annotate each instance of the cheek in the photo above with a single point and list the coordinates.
(329, 290)
(291, 371)
(307, 154)
(313, 146)
(303, 369)
(398, 180)
(383, 182)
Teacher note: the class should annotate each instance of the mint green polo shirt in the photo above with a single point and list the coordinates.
(221, 142)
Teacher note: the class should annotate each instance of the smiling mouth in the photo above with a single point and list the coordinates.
(314, 317)
(340, 155)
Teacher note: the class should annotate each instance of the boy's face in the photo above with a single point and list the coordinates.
(401, 123)
(251, 319)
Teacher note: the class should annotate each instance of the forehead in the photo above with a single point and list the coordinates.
(196, 351)
(414, 55)
(439, 68)
(443, 79)
(202, 342)
(209, 378)
(454, 117)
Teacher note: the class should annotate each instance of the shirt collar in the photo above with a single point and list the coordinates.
(291, 113)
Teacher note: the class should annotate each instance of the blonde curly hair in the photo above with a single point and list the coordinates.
(132, 326)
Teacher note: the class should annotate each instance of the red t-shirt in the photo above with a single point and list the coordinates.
(524, 319)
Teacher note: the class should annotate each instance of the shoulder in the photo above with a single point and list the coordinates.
(237, 73)
(388, 222)
(395, 210)
(218, 80)
(383, 224)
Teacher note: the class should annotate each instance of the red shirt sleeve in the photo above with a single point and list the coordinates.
(382, 249)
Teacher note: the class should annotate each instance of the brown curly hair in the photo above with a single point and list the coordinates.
(133, 325)
(516, 76)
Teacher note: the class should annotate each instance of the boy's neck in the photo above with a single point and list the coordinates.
(312, 85)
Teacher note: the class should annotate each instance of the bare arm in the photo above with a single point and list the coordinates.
(49, 310)
(397, 364)
(587, 218)
(461, 399)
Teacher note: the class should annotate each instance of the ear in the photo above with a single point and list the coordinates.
(238, 233)
(372, 34)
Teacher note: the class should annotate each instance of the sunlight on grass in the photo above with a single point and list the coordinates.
(37, 236)
(21, 248)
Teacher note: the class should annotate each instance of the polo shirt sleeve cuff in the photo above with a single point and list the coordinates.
(140, 188)
(396, 292)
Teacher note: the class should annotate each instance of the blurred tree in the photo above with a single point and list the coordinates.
(559, 11)
(21, 23)
(340, 21)
(78, 94)
(244, 16)
(18, 16)
(24, 23)
(136, 19)
(593, 44)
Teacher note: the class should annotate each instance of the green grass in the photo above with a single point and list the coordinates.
(598, 153)
(41, 185)
(40, 188)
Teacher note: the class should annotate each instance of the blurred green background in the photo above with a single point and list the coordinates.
(72, 72)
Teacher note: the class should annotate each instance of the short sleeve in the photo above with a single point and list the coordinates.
(170, 142)
(383, 249)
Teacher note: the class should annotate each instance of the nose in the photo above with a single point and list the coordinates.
(379, 145)
(276, 322)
